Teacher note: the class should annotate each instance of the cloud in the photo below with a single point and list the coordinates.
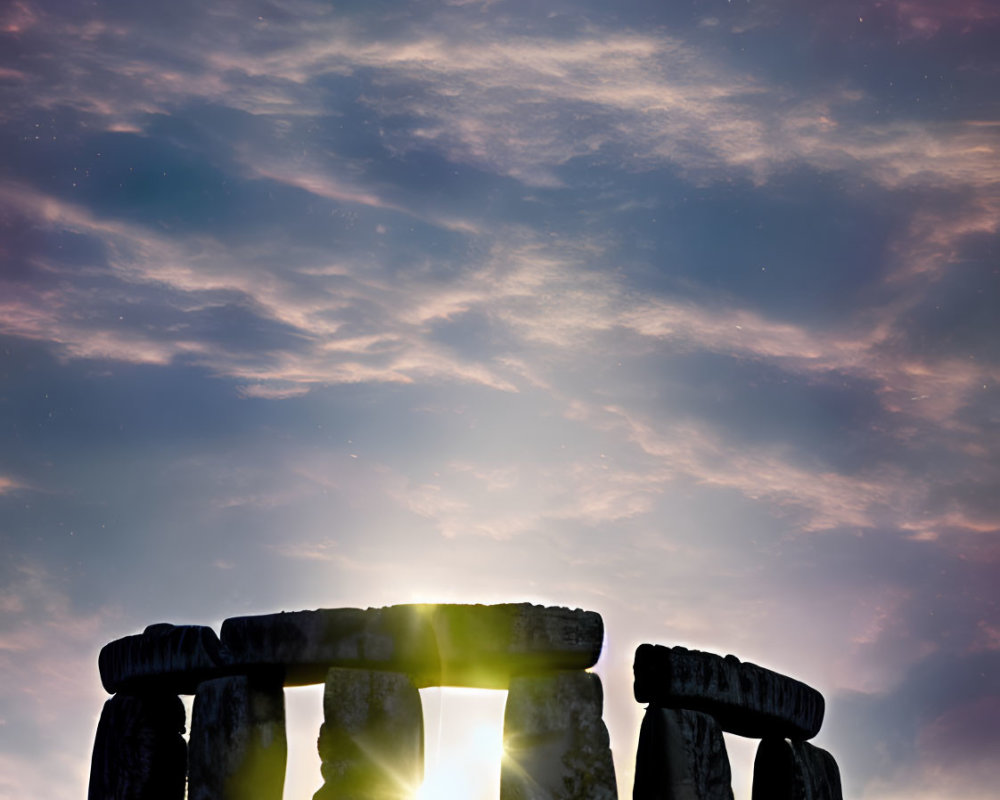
(273, 392)
(51, 690)
(18, 17)
(199, 274)
(505, 501)
(9, 484)
(924, 19)
(504, 100)
(554, 312)
(419, 289)
(930, 735)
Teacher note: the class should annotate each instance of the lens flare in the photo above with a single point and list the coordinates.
(464, 744)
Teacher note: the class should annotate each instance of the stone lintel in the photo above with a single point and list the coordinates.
(745, 699)
(482, 646)
(784, 770)
(681, 756)
(306, 644)
(556, 746)
(476, 646)
(164, 657)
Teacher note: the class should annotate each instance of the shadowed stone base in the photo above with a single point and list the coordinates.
(681, 756)
(372, 739)
(238, 748)
(785, 770)
(555, 742)
(139, 753)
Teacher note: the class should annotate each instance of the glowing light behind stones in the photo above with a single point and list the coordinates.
(463, 744)
(303, 717)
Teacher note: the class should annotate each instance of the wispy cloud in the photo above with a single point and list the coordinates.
(556, 308)
(924, 18)
(51, 694)
(9, 484)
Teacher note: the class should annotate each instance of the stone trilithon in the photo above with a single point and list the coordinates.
(373, 663)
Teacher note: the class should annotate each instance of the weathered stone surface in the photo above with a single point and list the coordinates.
(238, 748)
(438, 645)
(483, 646)
(745, 699)
(556, 744)
(372, 739)
(681, 756)
(784, 770)
(307, 643)
(139, 752)
(169, 658)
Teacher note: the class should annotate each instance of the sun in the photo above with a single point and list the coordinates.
(442, 786)
(464, 747)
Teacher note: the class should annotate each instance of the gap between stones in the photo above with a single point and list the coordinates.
(453, 718)
(463, 742)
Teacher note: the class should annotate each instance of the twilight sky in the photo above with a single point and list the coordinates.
(683, 312)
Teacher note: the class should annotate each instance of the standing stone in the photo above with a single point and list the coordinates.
(556, 745)
(372, 739)
(139, 750)
(681, 756)
(238, 748)
(784, 770)
(745, 699)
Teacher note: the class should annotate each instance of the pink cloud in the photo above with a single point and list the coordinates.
(963, 735)
(273, 392)
(19, 17)
(48, 657)
(925, 18)
(9, 484)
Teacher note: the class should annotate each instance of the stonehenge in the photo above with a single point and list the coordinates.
(694, 696)
(373, 662)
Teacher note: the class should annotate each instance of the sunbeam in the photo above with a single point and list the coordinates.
(464, 744)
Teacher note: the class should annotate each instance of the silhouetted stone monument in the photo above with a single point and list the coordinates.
(681, 754)
(371, 743)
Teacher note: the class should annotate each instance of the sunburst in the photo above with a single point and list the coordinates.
(464, 753)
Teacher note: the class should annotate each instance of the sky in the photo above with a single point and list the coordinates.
(685, 313)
